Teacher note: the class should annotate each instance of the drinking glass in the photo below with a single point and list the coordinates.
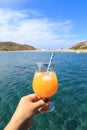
(45, 83)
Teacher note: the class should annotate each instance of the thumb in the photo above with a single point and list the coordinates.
(39, 104)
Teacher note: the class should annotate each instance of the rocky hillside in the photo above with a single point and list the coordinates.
(80, 46)
(11, 46)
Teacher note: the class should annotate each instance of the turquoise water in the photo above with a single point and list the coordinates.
(16, 73)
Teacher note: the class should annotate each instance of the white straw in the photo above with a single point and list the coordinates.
(49, 65)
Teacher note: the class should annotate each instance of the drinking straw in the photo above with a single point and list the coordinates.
(49, 65)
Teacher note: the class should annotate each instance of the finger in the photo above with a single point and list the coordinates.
(39, 104)
(37, 112)
(33, 97)
(42, 110)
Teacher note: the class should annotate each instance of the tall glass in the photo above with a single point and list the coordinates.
(45, 84)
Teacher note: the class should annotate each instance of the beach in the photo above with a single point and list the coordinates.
(63, 50)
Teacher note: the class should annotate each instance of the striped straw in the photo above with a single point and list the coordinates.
(49, 65)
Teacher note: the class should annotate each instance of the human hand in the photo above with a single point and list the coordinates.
(25, 111)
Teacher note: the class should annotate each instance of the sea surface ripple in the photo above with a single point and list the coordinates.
(16, 74)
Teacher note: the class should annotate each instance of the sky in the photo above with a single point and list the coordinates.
(44, 24)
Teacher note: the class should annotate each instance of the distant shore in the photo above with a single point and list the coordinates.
(65, 50)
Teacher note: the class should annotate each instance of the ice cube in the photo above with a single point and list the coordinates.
(38, 74)
(47, 77)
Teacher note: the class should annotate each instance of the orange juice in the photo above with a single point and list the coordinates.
(45, 85)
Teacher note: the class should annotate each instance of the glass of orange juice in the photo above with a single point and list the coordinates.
(45, 84)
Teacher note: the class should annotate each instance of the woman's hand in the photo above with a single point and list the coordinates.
(25, 111)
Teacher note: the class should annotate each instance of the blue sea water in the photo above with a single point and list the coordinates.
(16, 74)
